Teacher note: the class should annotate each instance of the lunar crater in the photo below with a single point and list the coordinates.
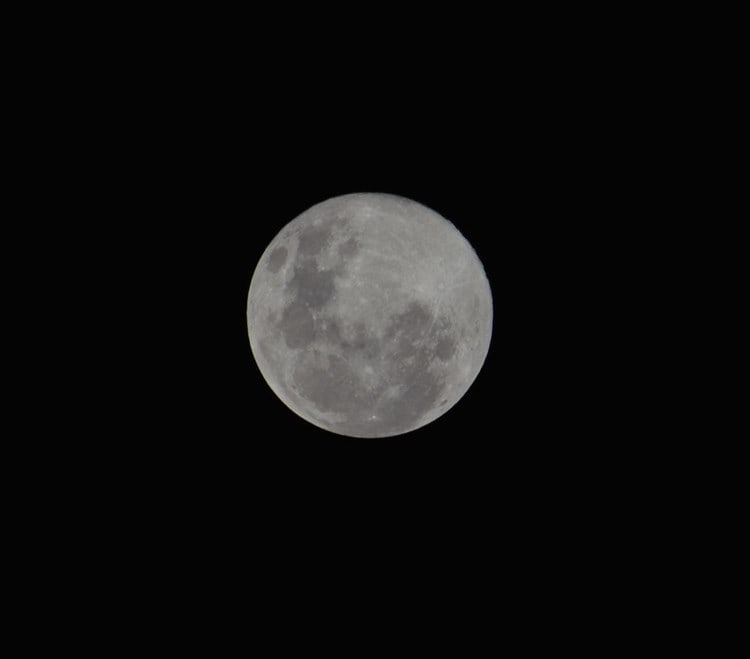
(348, 249)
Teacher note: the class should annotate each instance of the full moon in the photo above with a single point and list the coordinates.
(369, 315)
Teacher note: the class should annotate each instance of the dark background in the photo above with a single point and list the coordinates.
(180, 150)
(199, 156)
(519, 182)
(206, 438)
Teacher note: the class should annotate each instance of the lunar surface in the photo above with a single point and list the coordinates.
(369, 315)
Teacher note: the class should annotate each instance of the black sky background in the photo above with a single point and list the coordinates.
(187, 150)
(221, 171)
(196, 148)
(211, 153)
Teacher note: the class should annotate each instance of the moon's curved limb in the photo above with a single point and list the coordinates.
(369, 315)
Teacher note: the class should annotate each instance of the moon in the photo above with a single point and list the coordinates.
(369, 315)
